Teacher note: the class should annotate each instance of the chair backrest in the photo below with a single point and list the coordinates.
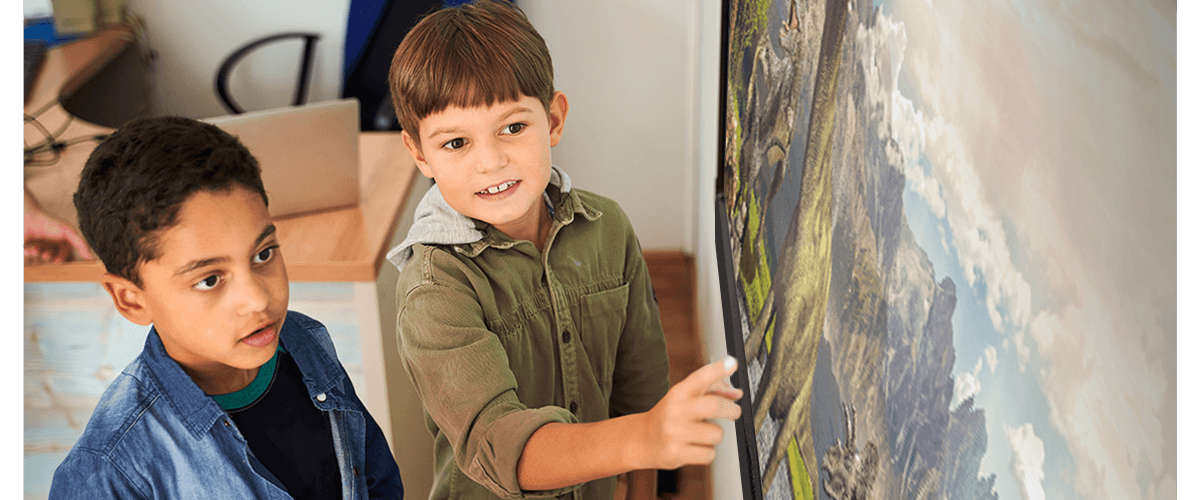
(302, 81)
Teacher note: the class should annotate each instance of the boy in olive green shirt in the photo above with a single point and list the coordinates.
(527, 320)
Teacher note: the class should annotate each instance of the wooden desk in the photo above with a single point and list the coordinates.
(345, 244)
(76, 344)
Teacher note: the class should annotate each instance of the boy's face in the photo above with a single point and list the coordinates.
(218, 293)
(492, 163)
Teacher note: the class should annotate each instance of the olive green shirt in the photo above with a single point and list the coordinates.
(500, 339)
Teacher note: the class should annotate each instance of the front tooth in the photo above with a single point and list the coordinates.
(497, 189)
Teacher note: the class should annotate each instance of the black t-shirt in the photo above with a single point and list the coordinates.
(285, 431)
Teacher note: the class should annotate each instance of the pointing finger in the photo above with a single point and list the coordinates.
(723, 389)
(702, 379)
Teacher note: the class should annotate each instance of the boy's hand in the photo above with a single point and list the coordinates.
(678, 431)
(680, 428)
(48, 238)
(51, 240)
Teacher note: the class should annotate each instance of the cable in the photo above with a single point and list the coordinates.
(47, 137)
(66, 123)
(56, 147)
(82, 138)
(42, 109)
(32, 161)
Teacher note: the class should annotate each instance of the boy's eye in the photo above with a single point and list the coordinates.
(265, 254)
(514, 128)
(454, 144)
(207, 283)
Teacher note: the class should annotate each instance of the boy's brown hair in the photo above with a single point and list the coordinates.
(467, 56)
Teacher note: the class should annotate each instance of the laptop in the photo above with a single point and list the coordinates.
(308, 154)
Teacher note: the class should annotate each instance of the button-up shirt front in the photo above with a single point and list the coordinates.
(500, 339)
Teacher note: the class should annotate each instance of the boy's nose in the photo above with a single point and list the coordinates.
(490, 157)
(253, 296)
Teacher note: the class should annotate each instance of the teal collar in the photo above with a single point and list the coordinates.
(249, 394)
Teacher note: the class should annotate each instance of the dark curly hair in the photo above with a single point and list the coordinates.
(135, 181)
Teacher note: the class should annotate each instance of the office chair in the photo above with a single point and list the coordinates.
(374, 29)
(222, 79)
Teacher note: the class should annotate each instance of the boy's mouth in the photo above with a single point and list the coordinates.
(261, 337)
(499, 188)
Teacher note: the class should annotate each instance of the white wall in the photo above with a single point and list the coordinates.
(37, 8)
(627, 67)
(628, 70)
(193, 37)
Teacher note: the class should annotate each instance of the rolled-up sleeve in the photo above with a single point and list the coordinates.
(461, 372)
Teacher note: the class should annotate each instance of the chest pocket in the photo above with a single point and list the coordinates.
(602, 317)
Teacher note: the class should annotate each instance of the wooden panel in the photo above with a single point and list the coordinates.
(673, 274)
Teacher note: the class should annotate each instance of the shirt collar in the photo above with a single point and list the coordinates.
(438, 224)
(313, 354)
(195, 409)
(566, 205)
(198, 411)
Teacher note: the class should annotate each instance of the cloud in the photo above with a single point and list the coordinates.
(966, 385)
(1029, 455)
(1050, 139)
(951, 188)
(882, 56)
(990, 355)
(977, 232)
(1106, 399)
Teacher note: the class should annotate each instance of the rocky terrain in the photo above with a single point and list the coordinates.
(886, 321)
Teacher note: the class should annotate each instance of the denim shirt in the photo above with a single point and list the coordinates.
(156, 434)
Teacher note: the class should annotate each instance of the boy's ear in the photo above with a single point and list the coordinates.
(558, 116)
(414, 149)
(129, 299)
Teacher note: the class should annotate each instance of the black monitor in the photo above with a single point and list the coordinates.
(730, 304)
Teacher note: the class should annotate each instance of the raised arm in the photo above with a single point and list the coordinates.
(677, 431)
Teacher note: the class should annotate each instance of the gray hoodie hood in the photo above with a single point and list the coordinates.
(435, 223)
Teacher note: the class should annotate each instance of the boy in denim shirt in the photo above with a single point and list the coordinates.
(526, 315)
(233, 396)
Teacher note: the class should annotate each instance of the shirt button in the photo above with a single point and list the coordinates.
(321, 397)
(355, 472)
(574, 407)
(566, 336)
